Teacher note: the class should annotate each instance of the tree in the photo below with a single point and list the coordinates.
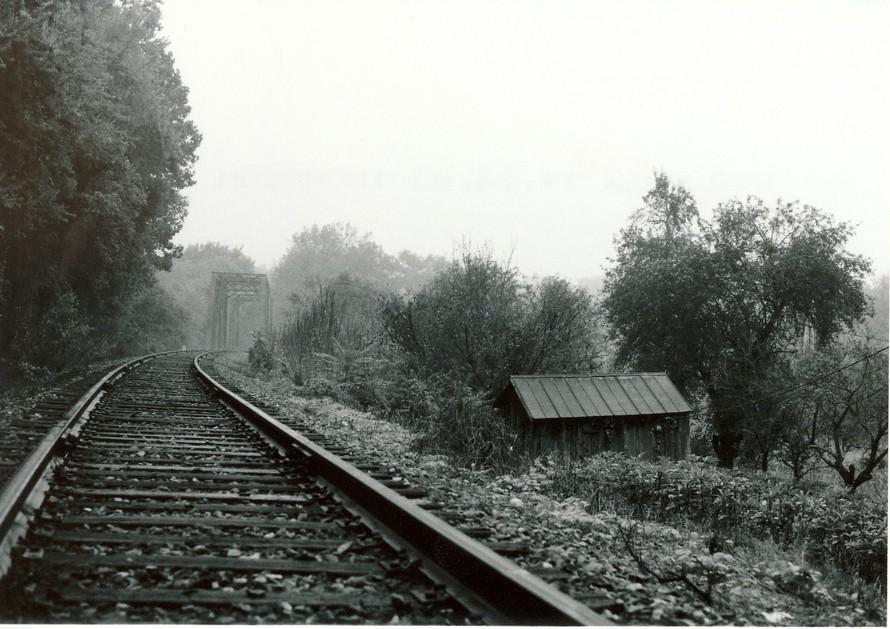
(188, 282)
(95, 147)
(799, 410)
(850, 419)
(766, 427)
(415, 271)
(321, 253)
(479, 322)
(154, 323)
(719, 304)
(561, 331)
(667, 209)
(796, 449)
(879, 321)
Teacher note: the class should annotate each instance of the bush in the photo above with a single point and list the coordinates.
(854, 536)
(60, 336)
(850, 531)
(480, 321)
(460, 423)
(260, 356)
(317, 386)
(332, 333)
(411, 401)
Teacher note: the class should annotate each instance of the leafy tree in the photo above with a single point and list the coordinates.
(153, 323)
(667, 210)
(719, 304)
(59, 337)
(95, 147)
(321, 253)
(413, 271)
(562, 330)
(879, 294)
(849, 421)
(479, 322)
(188, 282)
(462, 322)
(768, 425)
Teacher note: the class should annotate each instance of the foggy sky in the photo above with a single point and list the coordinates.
(533, 126)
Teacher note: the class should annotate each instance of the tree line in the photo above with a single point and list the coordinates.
(757, 314)
(96, 145)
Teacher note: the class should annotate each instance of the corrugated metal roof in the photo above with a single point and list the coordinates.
(605, 395)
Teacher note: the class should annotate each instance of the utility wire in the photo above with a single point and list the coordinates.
(807, 382)
(867, 337)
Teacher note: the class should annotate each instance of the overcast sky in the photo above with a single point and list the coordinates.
(533, 126)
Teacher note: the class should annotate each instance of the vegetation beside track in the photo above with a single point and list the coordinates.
(663, 570)
(96, 146)
(30, 406)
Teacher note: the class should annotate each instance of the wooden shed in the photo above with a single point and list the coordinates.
(640, 414)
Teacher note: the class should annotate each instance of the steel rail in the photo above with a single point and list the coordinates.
(513, 595)
(18, 489)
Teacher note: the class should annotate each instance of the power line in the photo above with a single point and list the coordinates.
(807, 382)
(866, 337)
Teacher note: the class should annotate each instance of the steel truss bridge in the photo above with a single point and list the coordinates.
(230, 291)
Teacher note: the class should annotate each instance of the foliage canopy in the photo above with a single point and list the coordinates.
(718, 304)
(478, 321)
(95, 147)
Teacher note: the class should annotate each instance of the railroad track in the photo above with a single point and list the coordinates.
(164, 497)
(27, 430)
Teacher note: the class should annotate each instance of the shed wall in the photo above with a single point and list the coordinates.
(649, 437)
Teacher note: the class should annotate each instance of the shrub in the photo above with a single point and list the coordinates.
(60, 337)
(411, 400)
(853, 534)
(260, 355)
(850, 531)
(480, 321)
(463, 425)
(317, 386)
(332, 333)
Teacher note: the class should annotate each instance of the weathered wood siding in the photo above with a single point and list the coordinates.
(650, 437)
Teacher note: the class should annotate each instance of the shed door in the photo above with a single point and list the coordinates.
(590, 440)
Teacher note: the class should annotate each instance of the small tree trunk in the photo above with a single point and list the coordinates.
(797, 467)
(726, 447)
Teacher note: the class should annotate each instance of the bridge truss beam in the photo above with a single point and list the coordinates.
(229, 292)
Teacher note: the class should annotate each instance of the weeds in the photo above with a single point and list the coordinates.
(849, 531)
(463, 425)
(261, 354)
(699, 574)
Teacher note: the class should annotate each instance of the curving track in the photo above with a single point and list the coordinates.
(169, 504)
